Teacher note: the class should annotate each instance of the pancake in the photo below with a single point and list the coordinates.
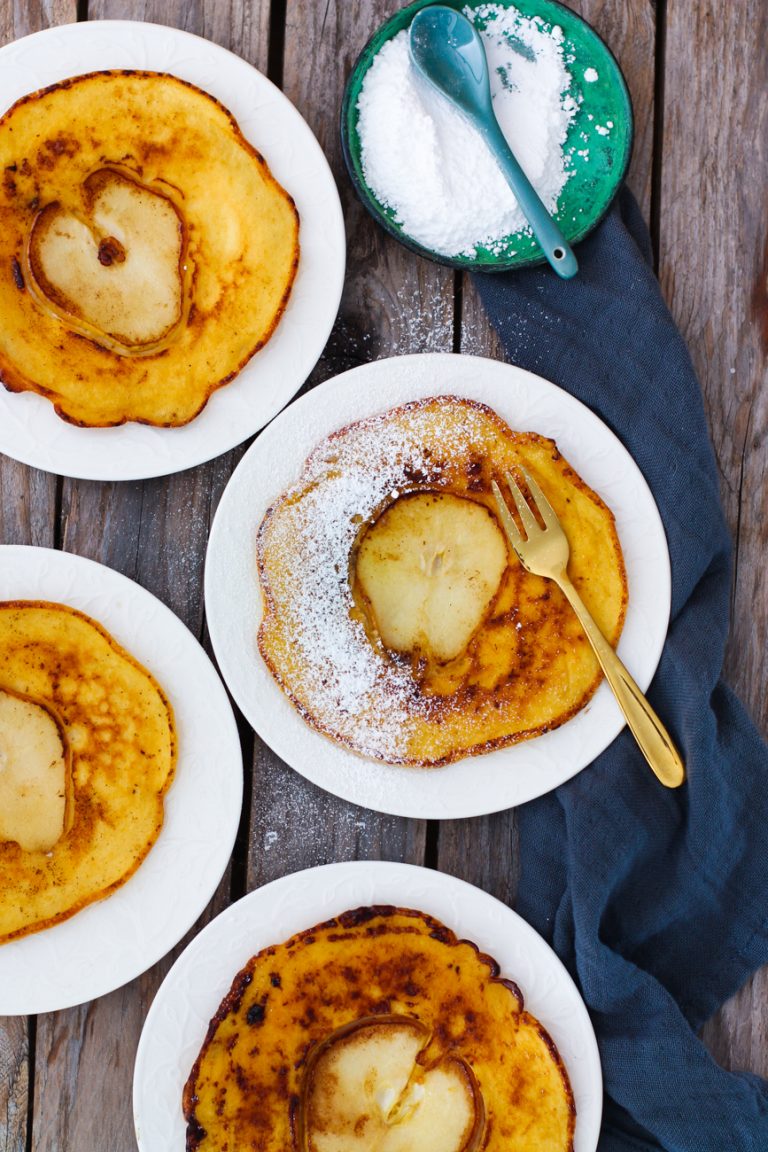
(344, 1036)
(396, 618)
(146, 251)
(87, 752)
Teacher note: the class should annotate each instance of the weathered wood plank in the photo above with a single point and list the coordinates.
(21, 19)
(714, 271)
(484, 850)
(84, 1061)
(28, 497)
(629, 30)
(27, 516)
(27, 505)
(240, 25)
(392, 304)
(156, 533)
(296, 825)
(14, 1083)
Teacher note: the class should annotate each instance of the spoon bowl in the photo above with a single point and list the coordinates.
(447, 50)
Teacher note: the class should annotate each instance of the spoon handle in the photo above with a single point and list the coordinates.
(554, 245)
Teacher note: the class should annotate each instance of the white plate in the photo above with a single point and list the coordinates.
(114, 940)
(482, 784)
(30, 431)
(192, 991)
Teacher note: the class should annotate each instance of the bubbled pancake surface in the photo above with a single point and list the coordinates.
(239, 245)
(120, 739)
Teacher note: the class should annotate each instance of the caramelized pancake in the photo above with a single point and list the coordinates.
(349, 1035)
(87, 751)
(396, 618)
(146, 251)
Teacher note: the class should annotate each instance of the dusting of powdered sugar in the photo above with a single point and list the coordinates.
(341, 683)
(431, 167)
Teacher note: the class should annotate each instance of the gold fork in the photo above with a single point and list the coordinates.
(545, 552)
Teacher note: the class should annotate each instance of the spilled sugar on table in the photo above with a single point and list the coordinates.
(697, 74)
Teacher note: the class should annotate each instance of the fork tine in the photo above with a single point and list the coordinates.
(526, 516)
(511, 529)
(543, 506)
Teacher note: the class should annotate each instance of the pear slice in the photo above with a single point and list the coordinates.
(365, 1092)
(33, 775)
(113, 267)
(429, 568)
(440, 1112)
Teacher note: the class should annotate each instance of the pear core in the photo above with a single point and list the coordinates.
(429, 568)
(116, 274)
(33, 768)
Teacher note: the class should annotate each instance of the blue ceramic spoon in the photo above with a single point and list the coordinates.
(447, 49)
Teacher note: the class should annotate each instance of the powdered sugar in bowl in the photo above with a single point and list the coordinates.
(425, 174)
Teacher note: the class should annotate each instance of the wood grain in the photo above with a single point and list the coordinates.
(27, 496)
(714, 272)
(84, 1060)
(32, 16)
(156, 533)
(27, 516)
(629, 30)
(391, 305)
(240, 25)
(14, 1083)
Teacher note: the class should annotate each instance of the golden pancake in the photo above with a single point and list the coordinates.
(378, 1031)
(397, 619)
(146, 251)
(87, 753)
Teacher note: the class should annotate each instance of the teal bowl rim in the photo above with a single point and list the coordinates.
(466, 264)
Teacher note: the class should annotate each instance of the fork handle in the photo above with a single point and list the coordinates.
(649, 732)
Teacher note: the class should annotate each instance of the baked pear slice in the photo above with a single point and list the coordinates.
(429, 569)
(364, 1088)
(377, 1031)
(35, 776)
(395, 617)
(87, 754)
(146, 251)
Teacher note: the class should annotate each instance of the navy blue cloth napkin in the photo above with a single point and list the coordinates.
(656, 900)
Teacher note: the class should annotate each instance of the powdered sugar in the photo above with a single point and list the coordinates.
(426, 162)
(342, 683)
(312, 539)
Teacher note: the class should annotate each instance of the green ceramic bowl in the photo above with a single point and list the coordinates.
(598, 159)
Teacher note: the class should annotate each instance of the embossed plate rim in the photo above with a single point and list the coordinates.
(30, 431)
(193, 989)
(114, 940)
(478, 785)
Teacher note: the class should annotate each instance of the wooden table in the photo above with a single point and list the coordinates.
(698, 73)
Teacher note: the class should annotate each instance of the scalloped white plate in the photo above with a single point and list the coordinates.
(192, 991)
(481, 784)
(30, 431)
(110, 942)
